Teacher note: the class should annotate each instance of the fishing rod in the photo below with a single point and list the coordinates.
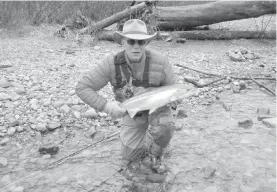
(64, 158)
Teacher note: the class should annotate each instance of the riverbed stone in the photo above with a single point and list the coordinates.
(20, 129)
(76, 108)
(3, 161)
(20, 91)
(18, 189)
(76, 114)
(210, 189)
(182, 113)
(91, 113)
(270, 122)
(11, 131)
(4, 141)
(41, 127)
(65, 109)
(236, 56)
(54, 125)
(4, 83)
(91, 132)
(14, 123)
(51, 149)
(4, 96)
(246, 123)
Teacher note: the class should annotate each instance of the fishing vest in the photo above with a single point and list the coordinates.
(121, 65)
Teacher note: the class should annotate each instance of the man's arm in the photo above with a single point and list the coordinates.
(92, 81)
(170, 77)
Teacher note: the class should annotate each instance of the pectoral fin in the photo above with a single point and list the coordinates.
(152, 110)
(132, 112)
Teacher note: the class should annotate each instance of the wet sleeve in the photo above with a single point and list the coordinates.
(94, 80)
(170, 77)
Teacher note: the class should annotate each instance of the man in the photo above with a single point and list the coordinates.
(129, 72)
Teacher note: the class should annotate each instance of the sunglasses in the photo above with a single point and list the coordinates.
(133, 42)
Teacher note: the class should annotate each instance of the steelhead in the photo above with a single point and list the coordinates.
(155, 98)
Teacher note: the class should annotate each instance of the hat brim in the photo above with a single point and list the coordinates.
(117, 36)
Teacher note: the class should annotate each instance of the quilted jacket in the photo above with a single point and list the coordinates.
(160, 73)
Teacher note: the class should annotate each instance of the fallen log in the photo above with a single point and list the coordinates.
(113, 19)
(201, 35)
(224, 35)
(106, 35)
(187, 17)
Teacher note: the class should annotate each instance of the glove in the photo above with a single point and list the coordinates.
(113, 109)
(174, 104)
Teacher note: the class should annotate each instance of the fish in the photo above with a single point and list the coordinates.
(154, 98)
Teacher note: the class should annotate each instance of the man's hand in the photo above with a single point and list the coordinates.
(113, 109)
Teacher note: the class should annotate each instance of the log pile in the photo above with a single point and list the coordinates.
(187, 21)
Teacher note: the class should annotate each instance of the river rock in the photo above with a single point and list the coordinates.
(65, 109)
(91, 132)
(250, 56)
(210, 189)
(4, 96)
(42, 127)
(102, 114)
(76, 108)
(19, 189)
(246, 123)
(49, 149)
(270, 122)
(3, 161)
(242, 85)
(4, 83)
(14, 123)
(236, 56)
(59, 103)
(91, 113)
(76, 114)
(33, 102)
(182, 113)
(54, 125)
(236, 87)
(72, 92)
(11, 131)
(263, 113)
(4, 141)
(46, 156)
(20, 91)
(20, 129)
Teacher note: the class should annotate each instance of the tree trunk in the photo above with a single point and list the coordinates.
(187, 17)
(224, 35)
(114, 18)
(202, 35)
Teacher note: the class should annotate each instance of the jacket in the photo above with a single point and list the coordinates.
(160, 73)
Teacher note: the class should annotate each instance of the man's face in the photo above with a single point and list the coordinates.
(134, 48)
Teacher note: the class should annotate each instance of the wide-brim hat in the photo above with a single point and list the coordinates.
(133, 29)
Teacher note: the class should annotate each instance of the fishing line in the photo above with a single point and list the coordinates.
(63, 159)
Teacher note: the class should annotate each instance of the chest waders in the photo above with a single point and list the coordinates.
(124, 89)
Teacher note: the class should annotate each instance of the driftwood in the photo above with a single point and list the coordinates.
(201, 35)
(218, 75)
(113, 19)
(223, 34)
(202, 85)
(187, 17)
(260, 85)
